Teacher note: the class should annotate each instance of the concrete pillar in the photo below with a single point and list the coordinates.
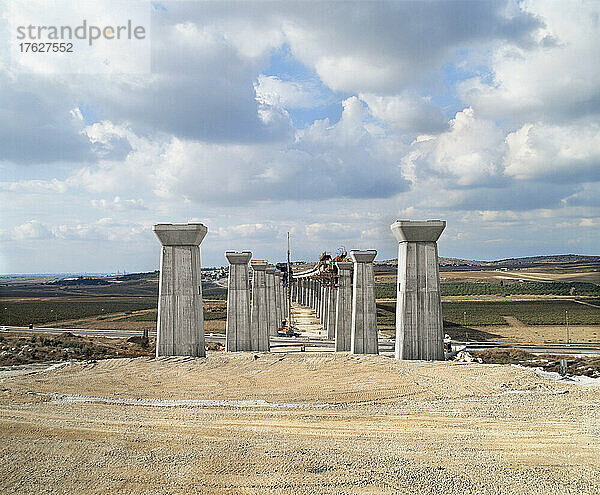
(322, 300)
(324, 292)
(284, 297)
(343, 313)
(279, 293)
(180, 323)
(364, 312)
(313, 295)
(237, 329)
(306, 291)
(419, 324)
(259, 320)
(300, 287)
(324, 311)
(277, 288)
(331, 309)
(270, 271)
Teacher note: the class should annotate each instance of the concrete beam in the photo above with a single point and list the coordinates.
(259, 318)
(180, 323)
(419, 324)
(364, 311)
(343, 313)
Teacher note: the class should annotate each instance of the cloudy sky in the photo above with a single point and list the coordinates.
(326, 119)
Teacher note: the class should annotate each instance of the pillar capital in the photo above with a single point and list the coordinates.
(270, 269)
(418, 231)
(238, 258)
(260, 265)
(366, 256)
(344, 265)
(180, 234)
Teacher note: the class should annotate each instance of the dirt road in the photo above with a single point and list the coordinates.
(296, 423)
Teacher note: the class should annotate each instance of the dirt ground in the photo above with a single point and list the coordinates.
(295, 423)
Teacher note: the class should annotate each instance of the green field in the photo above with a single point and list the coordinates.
(481, 313)
(25, 313)
(219, 314)
(388, 289)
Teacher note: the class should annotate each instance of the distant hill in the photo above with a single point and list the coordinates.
(528, 261)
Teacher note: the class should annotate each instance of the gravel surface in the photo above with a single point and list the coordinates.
(310, 423)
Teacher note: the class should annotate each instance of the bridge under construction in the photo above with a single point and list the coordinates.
(265, 301)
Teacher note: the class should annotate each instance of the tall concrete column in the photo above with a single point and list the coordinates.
(419, 324)
(364, 311)
(321, 301)
(271, 300)
(237, 330)
(324, 319)
(284, 300)
(331, 310)
(300, 286)
(180, 323)
(278, 311)
(281, 299)
(343, 312)
(324, 311)
(259, 320)
(306, 291)
(318, 298)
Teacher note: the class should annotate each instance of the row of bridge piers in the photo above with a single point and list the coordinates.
(340, 291)
(253, 315)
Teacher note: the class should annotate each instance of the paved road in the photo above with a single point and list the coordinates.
(537, 348)
(281, 343)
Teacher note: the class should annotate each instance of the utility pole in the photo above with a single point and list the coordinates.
(567, 321)
(465, 326)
